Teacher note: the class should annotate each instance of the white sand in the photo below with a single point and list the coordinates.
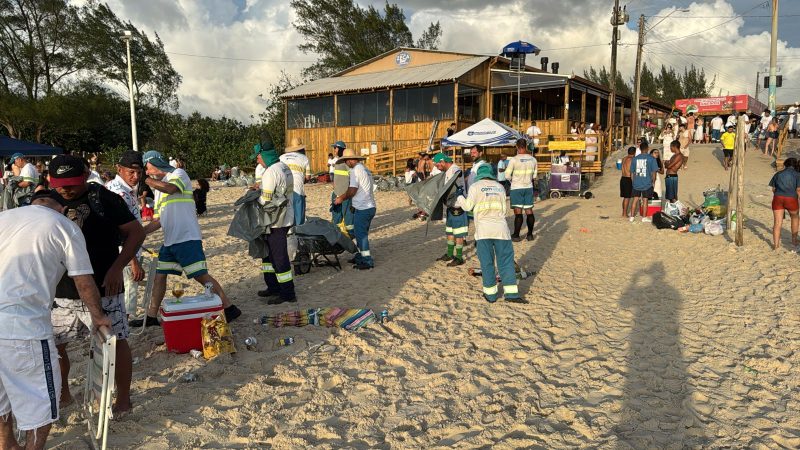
(634, 338)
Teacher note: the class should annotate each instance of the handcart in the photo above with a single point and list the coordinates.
(316, 251)
(565, 176)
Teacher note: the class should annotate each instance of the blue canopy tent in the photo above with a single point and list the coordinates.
(9, 146)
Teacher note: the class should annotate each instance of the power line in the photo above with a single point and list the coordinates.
(722, 17)
(761, 3)
(239, 59)
(728, 58)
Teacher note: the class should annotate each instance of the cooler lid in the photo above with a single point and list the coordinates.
(172, 305)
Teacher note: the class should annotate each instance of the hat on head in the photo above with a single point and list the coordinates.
(349, 153)
(296, 145)
(67, 170)
(441, 157)
(131, 160)
(157, 160)
(46, 193)
(339, 144)
(485, 171)
(730, 126)
(266, 145)
(16, 156)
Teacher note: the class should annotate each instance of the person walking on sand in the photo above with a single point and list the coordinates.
(39, 246)
(522, 170)
(625, 182)
(643, 170)
(106, 221)
(276, 267)
(360, 192)
(772, 138)
(456, 222)
(673, 165)
(716, 128)
(728, 140)
(297, 161)
(684, 137)
(341, 214)
(182, 251)
(786, 189)
(487, 199)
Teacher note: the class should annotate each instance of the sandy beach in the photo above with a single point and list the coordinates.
(633, 338)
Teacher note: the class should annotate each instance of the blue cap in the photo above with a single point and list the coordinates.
(155, 158)
(339, 144)
(16, 156)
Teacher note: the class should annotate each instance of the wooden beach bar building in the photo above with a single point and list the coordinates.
(392, 105)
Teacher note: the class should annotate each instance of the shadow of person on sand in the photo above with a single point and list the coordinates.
(656, 412)
(547, 236)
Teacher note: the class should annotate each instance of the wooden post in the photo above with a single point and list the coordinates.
(583, 108)
(566, 107)
(597, 110)
(736, 183)
(391, 132)
(621, 122)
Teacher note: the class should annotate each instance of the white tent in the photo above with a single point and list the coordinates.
(487, 133)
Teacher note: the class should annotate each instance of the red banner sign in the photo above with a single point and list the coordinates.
(728, 103)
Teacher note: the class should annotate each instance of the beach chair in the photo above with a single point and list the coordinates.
(152, 265)
(99, 387)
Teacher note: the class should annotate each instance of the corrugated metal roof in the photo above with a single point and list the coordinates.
(429, 73)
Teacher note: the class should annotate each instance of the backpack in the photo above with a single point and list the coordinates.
(662, 221)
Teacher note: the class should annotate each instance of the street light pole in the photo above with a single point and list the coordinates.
(127, 35)
(773, 58)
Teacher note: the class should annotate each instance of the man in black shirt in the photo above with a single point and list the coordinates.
(106, 223)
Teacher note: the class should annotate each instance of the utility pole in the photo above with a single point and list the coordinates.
(617, 18)
(758, 84)
(773, 58)
(638, 83)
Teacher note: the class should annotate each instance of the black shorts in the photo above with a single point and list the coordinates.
(727, 152)
(647, 193)
(626, 187)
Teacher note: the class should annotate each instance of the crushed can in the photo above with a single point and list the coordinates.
(286, 341)
(250, 343)
(384, 316)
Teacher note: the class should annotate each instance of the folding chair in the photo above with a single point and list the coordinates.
(148, 290)
(99, 387)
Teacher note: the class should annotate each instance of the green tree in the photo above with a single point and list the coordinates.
(671, 86)
(273, 118)
(694, 83)
(103, 53)
(344, 34)
(603, 77)
(648, 84)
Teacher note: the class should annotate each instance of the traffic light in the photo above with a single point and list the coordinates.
(778, 81)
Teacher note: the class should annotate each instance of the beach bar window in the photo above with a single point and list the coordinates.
(310, 113)
(469, 104)
(424, 104)
(371, 108)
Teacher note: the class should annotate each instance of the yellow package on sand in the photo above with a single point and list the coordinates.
(217, 337)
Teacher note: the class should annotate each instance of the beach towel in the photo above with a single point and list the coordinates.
(348, 319)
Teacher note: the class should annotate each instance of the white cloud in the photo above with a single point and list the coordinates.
(261, 29)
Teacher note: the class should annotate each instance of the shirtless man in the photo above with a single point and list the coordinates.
(626, 183)
(673, 165)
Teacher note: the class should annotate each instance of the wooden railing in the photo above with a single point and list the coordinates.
(545, 154)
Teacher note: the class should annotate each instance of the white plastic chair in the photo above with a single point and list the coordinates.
(97, 394)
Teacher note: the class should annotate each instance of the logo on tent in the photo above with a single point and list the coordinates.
(480, 133)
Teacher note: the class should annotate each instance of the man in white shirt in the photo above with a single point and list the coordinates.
(792, 125)
(533, 132)
(276, 268)
(476, 153)
(28, 172)
(492, 238)
(502, 165)
(522, 170)
(125, 184)
(39, 245)
(361, 194)
(295, 158)
(182, 251)
(716, 128)
(766, 118)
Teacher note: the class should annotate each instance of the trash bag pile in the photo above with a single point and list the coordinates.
(709, 219)
(389, 183)
(242, 181)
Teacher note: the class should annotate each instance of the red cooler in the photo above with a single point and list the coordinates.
(180, 320)
(653, 206)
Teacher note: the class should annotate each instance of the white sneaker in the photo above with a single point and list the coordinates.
(646, 220)
(631, 219)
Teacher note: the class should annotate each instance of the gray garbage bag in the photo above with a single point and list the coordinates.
(314, 226)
